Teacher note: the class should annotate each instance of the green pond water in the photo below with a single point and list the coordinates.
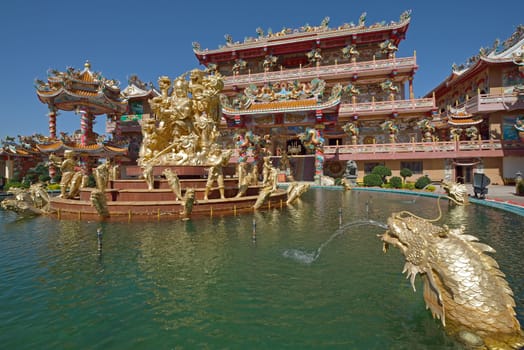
(306, 282)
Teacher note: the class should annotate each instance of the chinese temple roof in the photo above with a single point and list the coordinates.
(308, 36)
(459, 117)
(509, 51)
(13, 151)
(74, 89)
(95, 149)
(138, 89)
(281, 106)
(282, 97)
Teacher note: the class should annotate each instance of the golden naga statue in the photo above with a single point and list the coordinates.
(463, 286)
(187, 121)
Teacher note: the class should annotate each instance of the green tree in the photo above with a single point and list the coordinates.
(382, 171)
(405, 172)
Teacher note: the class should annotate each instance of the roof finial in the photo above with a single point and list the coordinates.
(87, 65)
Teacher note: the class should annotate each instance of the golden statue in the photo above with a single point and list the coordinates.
(71, 179)
(218, 159)
(187, 121)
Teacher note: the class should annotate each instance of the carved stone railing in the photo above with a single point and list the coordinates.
(419, 150)
(363, 108)
(490, 102)
(347, 69)
(446, 147)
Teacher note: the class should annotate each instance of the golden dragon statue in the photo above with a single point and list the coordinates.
(463, 286)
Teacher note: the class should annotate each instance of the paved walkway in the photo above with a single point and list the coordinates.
(504, 194)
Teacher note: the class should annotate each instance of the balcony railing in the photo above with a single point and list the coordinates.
(360, 68)
(446, 146)
(443, 149)
(363, 108)
(419, 150)
(490, 102)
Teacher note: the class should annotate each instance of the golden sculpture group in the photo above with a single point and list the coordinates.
(186, 130)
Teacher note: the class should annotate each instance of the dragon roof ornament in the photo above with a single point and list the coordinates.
(506, 50)
(322, 28)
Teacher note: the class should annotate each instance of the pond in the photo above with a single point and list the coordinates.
(312, 275)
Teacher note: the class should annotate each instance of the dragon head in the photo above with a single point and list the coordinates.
(413, 236)
(458, 193)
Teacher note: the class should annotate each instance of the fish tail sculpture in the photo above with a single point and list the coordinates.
(463, 286)
(99, 201)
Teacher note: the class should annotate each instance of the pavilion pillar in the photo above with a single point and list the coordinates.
(52, 123)
(86, 128)
(411, 93)
(118, 127)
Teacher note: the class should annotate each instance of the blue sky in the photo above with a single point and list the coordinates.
(153, 38)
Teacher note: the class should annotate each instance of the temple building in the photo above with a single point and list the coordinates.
(349, 85)
(482, 107)
(345, 82)
(126, 128)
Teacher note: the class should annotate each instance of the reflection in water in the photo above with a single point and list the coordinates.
(204, 284)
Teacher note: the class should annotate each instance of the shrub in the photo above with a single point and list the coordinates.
(372, 180)
(409, 186)
(422, 182)
(12, 183)
(53, 187)
(395, 182)
(405, 172)
(44, 178)
(382, 171)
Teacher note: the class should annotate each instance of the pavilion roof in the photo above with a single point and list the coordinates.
(74, 89)
(100, 150)
(460, 117)
(138, 89)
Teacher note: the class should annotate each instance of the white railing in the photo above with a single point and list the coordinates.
(378, 106)
(489, 102)
(314, 72)
(414, 147)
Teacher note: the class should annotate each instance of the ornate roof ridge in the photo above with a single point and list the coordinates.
(306, 31)
(499, 52)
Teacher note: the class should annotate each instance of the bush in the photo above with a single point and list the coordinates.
(53, 187)
(409, 186)
(12, 183)
(382, 171)
(422, 182)
(395, 182)
(405, 172)
(372, 180)
(44, 178)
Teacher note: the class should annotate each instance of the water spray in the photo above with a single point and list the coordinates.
(99, 238)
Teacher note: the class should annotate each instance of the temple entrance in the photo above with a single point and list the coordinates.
(295, 147)
(463, 174)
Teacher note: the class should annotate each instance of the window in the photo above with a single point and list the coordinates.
(415, 167)
(334, 142)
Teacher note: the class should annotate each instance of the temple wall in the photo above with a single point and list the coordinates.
(493, 169)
